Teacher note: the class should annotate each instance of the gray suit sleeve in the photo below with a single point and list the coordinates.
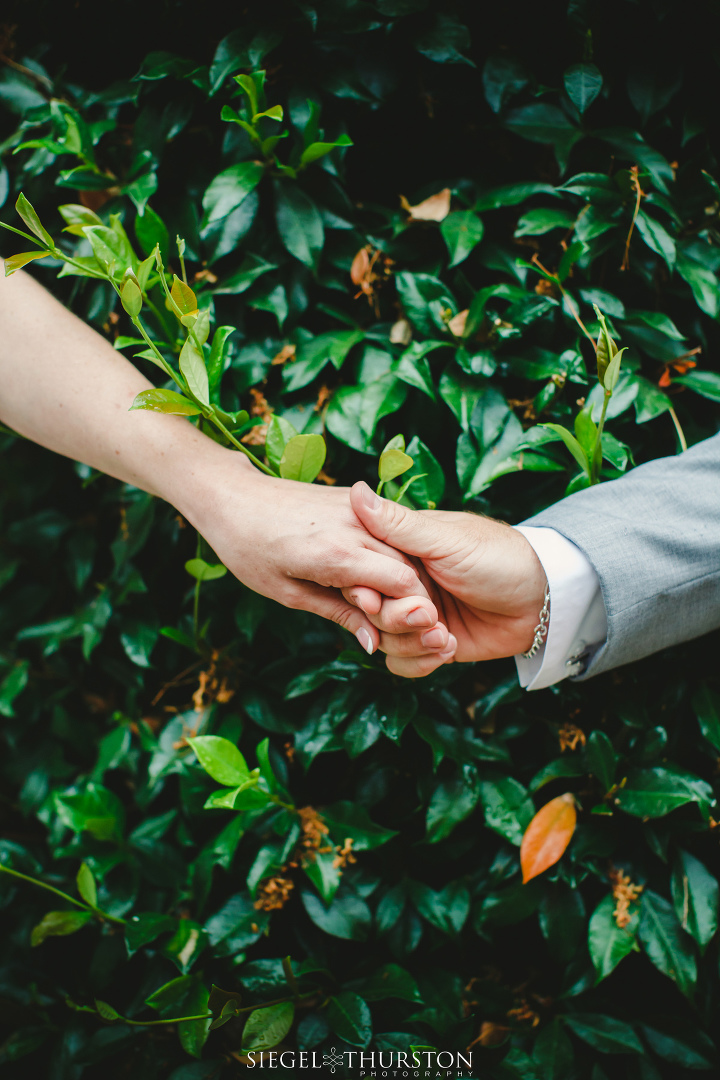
(653, 537)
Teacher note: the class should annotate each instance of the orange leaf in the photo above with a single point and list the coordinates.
(547, 836)
(665, 379)
(360, 266)
(456, 325)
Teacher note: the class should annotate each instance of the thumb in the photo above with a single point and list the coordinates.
(407, 530)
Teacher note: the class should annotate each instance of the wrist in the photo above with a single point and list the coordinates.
(203, 478)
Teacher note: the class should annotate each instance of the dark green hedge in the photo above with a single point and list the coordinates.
(534, 116)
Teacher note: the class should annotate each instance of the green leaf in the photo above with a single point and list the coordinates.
(446, 909)
(185, 996)
(107, 1012)
(583, 83)
(609, 943)
(666, 943)
(571, 443)
(95, 810)
(346, 917)
(705, 383)
(12, 686)
(299, 223)
(429, 491)
(318, 149)
(145, 927)
(86, 885)
(542, 220)
(706, 703)
(267, 1027)
(186, 944)
(508, 808)
(604, 1033)
(230, 188)
(221, 759)
(553, 1052)
(656, 237)
(511, 195)
(388, 981)
(59, 924)
(680, 1042)
(165, 401)
(695, 894)
(462, 231)
(651, 793)
(347, 819)
(601, 758)
(452, 801)
(192, 365)
(303, 458)
(349, 1017)
(151, 232)
(203, 571)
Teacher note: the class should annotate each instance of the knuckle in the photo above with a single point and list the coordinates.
(406, 577)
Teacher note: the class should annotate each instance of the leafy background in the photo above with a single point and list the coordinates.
(428, 937)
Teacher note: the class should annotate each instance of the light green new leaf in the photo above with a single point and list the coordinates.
(203, 571)
(166, 401)
(29, 215)
(221, 759)
(571, 443)
(86, 885)
(303, 458)
(59, 924)
(393, 463)
(192, 365)
(317, 150)
(16, 262)
(279, 434)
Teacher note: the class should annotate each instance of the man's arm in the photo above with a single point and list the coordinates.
(653, 538)
(62, 385)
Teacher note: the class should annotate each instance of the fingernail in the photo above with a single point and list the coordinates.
(371, 500)
(357, 603)
(365, 640)
(450, 650)
(419, 617)
(434, 639)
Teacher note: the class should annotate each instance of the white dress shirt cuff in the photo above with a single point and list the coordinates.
(578, 622)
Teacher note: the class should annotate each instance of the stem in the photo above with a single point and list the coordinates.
(167, 330)
(680, 432)
(59, 892)
(596, 463)
(182, 269)
(570, 302)
(239, 446)
(208, 1016)
(380, 486)
(163, 362)
(638, 196)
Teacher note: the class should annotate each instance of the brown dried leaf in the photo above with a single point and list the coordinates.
(401, 332)
(547, 836)
(286, 353)
(436, 208)
(456, 325)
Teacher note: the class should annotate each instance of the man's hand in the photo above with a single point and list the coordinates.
(486, 582)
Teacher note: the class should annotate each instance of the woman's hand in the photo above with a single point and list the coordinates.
(485, 580)
(300, 544)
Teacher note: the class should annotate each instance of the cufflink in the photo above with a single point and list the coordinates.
(578, 662)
